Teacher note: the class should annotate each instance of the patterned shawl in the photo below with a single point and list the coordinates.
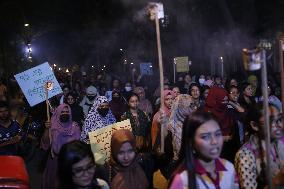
(94, 120)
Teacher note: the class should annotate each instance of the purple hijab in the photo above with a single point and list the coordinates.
(63, 132)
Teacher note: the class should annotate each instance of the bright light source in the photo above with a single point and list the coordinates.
(59, 69)
(221, 58)
(67, 71)
(102, 69)
(125, 60)
(121, 49)
(104, 66)
(29, 57)
(92, 66)
(131, 63)
(26, 25)
(54, 65)
(150, 66)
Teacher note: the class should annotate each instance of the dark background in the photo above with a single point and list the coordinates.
(91, 32)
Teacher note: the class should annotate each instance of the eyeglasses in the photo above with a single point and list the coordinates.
(79, 171)
(276, 120)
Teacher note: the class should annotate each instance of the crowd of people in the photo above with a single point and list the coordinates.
(207, 133)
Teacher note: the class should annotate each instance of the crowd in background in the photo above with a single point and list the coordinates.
(212, 132)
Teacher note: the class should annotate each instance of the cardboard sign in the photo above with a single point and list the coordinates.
(146, 68)
(100, 140)
(182, 64)
(33, 82)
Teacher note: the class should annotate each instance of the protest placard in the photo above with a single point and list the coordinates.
(182, 64)
(100, 140)
(146, 68)
(33, 82)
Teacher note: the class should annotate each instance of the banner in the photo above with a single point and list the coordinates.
(33, 81)
(252, 59)
(100, 140)
(146, 68)
(182, 64)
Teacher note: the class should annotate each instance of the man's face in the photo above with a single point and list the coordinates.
(4, 114)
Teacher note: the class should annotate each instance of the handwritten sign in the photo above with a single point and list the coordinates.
(100, 140)
(182, 64)
(33, 82)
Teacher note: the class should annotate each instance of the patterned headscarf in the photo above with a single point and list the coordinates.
(94, 120)
(182, 107)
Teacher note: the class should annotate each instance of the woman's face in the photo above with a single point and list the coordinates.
(176, 92)
(126, 154)
(141, 94)
(208, 141)
(276, 122)
(168, 101)
(187, 78)
(195, 92)
(83, 172)
(234, 94)
(133, 102)
(206, 92)
(233, 82)
(70, 100)
(248, 91)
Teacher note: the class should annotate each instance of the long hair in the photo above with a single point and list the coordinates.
(72, 153)
(186, 156)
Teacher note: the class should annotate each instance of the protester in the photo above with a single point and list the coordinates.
(250, 160)
(99, 116)
(127, 91)
(253, 81)
(140, 124)
(216, 103)
(10, 131)
(181, 108)
(126, 168)
(76, 167)
(117, 105)
(144, 104)
(194, 92)
(176, 91)
(63, 130)
(238, 113)
(246, 98)
(161, 117)
(272, 99)
(66, 90)
(77, 111)
(88, 100)
(201, 165)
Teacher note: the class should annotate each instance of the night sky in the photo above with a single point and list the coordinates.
(91, 32)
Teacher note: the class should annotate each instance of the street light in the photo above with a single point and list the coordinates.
(26, 25)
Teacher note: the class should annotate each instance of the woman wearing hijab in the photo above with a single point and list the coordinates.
(99, 116)
(144, 104)
(63, 130)
(161, 116)
(216, 103)
(77, 111)
(117, 104)
(182, 107)
(126, 168)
